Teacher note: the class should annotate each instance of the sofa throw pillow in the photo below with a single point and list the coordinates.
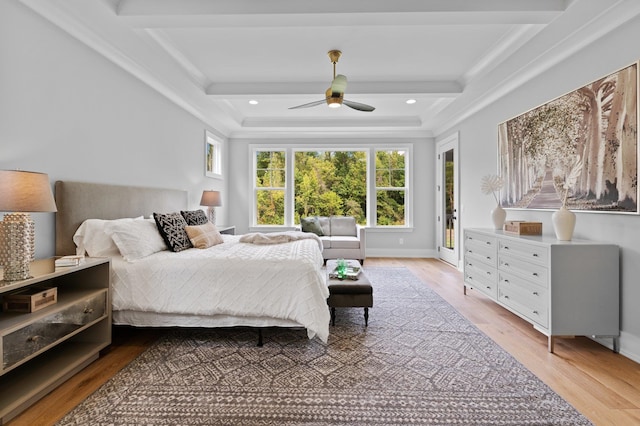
(204, 236)
(171, 227)
(194, 217)
(311, 224)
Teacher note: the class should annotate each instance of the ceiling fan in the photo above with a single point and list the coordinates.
(334, 96)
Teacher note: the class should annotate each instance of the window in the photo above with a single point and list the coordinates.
(270, 186)
(292, 183)
(391, 188)
(331, 183)
(213, 156)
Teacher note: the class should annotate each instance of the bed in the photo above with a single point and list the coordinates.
(229, 284)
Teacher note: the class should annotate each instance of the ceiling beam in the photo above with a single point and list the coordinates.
(435, 88)
(326, 13)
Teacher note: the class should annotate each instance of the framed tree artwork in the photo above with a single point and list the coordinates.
(213, 156)
(579, 150)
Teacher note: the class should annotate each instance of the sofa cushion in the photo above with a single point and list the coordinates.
(344, 242)
(326, 241)
(343, 225)
(325, 224)
(311, 224)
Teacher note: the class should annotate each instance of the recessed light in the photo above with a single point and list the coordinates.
(253, 102)
(411, 101)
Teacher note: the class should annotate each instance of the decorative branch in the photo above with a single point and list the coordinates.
(491, 184)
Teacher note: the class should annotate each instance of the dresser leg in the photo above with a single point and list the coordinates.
(550, 342)
(464, 289)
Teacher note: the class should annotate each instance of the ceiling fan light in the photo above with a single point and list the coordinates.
(334, 103)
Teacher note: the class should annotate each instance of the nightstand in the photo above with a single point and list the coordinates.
(229, 230)
(41, 349)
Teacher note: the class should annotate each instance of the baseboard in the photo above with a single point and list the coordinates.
(629, 345)
(388, 252)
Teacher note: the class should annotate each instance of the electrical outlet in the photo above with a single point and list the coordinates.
(401, 241)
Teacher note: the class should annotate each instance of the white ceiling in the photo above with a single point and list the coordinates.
(453, 56)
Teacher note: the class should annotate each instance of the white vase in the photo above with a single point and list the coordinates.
(498, 215)
(564, 221)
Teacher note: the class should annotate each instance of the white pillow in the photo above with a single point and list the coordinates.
(136, 239)
(92, 238)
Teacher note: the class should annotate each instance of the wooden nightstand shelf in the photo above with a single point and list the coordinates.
(42, 349)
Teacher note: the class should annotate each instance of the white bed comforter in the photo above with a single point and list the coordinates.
(281, 281)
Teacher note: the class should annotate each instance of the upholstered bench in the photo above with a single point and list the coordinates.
(347, 293)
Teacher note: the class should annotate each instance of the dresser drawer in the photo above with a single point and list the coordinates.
(480, 252)
(35, 336)
(533, 272)
(481, 240)
(483, 279)
(530, 252)
(533, 306)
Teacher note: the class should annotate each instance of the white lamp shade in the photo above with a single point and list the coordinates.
(211, 199)
(25, 192)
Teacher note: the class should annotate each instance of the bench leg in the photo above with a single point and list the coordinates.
(366, 317)
(333, 316)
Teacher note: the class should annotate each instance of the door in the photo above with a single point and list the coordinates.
(447, 205)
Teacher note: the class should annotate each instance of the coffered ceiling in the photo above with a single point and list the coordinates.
(452, 57)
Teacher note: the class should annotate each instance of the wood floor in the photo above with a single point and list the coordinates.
(602, 385)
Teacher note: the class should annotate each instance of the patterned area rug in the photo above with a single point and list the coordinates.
(419, 362)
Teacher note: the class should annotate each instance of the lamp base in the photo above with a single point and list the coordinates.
(17, 245)
(211, 213)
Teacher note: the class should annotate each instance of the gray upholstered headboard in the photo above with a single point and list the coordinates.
(77, 201)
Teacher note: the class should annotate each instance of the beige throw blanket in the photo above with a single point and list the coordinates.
(279, 237)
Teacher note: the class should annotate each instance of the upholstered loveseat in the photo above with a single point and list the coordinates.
(341, 236)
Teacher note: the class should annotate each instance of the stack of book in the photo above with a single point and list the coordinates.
(71, 260)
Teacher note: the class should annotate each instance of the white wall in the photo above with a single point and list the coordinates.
(478, 157)
(418, 242)
(67, 111)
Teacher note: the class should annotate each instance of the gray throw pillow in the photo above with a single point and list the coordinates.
(311, 224)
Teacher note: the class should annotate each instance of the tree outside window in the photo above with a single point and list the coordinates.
(331, 183)
(270, 186)
(391, 188)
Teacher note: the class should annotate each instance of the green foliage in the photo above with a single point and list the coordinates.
(330, 183)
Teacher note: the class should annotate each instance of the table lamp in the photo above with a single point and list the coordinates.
(211, 199)
(20, 193)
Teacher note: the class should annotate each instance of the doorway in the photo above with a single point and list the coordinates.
(447, 204)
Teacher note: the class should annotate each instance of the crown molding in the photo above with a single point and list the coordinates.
(538, 62)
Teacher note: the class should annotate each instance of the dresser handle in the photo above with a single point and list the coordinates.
(488, 287)
(469, 251)
(535, 274)
(489, 257)
(488, 273)
(535, 254)
(506, 297)
(488, 242)
(34, 339)
(506, 281)
(535, 293)
(88, 310)
(506, 247)
(535, 312)
(505, 264)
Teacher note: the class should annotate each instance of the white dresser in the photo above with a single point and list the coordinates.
(563, 288)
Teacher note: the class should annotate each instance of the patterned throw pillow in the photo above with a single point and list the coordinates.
(204, 236)
(194, 217)
(171, 227)
(311, 224)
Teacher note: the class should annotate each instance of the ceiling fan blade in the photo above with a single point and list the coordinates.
(310, 104)
(358, 106)
(339, 84)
